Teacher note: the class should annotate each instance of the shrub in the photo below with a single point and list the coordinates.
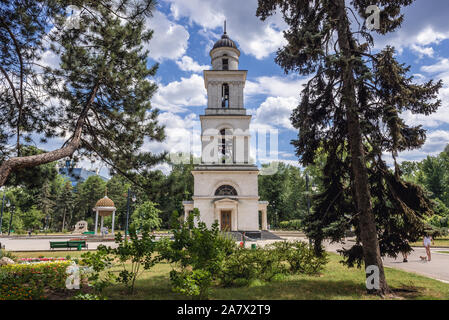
(291, 224)
(300, 256)
(97, 262)
(29, 281)
(88, 296)
(197, 254)
(271, 263)
(138, 250)
(251, 264)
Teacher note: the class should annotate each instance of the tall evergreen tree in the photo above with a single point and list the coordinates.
(351, 107)
(102, 87)
(64, 206)
(88, 193)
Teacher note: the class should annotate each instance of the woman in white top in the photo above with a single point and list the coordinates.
(427, 240)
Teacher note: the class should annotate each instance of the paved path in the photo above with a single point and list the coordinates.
(437, 268)
(41, 244)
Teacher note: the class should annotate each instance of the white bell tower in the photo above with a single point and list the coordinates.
(225, 183)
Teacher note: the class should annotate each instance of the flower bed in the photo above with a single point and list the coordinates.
(31, 280)
(31, 260)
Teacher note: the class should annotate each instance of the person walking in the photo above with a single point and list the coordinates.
(404, 256)
(427, 241)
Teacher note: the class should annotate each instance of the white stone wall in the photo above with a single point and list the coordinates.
(206, 182)
(239, 128)
(214, 81)
(217, 56)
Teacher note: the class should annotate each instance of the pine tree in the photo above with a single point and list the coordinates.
(64, 206)
(102, 87)
(351, 108)
(47, 203)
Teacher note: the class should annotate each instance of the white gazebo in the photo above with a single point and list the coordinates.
(103, 208)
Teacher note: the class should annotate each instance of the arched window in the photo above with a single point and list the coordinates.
(225, 190)
(225, 64)
(225, 95)
(225, 146)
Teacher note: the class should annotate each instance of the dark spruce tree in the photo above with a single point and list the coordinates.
(351, 109)
(102, 87)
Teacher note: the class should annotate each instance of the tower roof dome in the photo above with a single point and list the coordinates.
(225, 41)
(105, 202)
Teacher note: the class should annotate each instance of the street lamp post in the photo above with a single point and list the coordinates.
(308, 194)
(1, 215)
(10, 219)
(308, 200)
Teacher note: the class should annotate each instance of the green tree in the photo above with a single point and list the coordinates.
(64, 206)
(285, 191)
(351, 108)
(434, 171)
(146, 217)
(88, 193)
(118, 187)
(32, 219)
(272, 189)
(103, 85)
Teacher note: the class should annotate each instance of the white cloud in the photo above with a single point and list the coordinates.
(178, 95)
(186, 63)
(435, 143)
(253, 36)
(275, 112)
(183, 134)
(275, 86)
(423, 25)
(50, 59)
(170, 40)
(422, 51)
(441, 66)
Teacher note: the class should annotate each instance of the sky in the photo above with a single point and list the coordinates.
(185, 31)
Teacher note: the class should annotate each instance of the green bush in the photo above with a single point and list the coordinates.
(29, 281)
(272, 263)
(291, 225)
(197, 255)
(251, 264)
(300, 257)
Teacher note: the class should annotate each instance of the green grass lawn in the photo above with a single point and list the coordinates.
(337, 282)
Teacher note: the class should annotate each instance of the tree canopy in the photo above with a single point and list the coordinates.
(351, 107)
(96, 102)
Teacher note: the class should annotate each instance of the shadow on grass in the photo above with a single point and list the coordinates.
(158, 288)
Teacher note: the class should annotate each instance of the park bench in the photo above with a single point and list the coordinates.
(89, 232)
(68, 244)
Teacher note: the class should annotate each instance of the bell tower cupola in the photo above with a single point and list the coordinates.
(225, 55)
(225, 82)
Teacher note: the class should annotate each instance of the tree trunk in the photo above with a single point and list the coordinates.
(367, 224)
(63, 221)
(17, 163)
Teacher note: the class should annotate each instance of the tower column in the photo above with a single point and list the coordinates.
(96, 222)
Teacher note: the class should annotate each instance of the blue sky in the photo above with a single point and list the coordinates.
(185, 31)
